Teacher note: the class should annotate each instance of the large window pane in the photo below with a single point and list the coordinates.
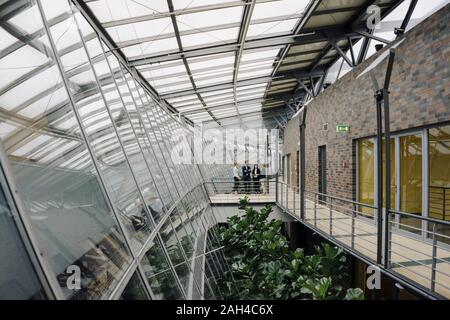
(392, 172)
(134, 289)
(366, 178)
(18, 279)
(439, 164)
(411, 181)
(96, 105)
(55, 175)
(439, 170)
(159, 275)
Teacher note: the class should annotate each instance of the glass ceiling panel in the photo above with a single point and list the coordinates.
(212, 80)
(214, 61)
(197, 21)
(162, 71)
(249, 109)
(151, 47)
(253, 55)
(168, 81)
(246, 74)
(250, 95)
(221, 98)
(30, 147)
(216, 93)
(195, 103)
(258, 30)
(6, 129)
(133, 31)
(191, 108)
(224, 113)
(259, 85)
(44, 104)
(108, 10)
(183, 4)
(218, 102)
(182, 99)
(278, 8)
(165, 89)
(26, 21)
(200, 118)
(201, 29)
(12, 66)
(210, 37)
(7, 39)
(29, 88)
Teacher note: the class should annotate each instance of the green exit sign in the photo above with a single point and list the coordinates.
(343, 128)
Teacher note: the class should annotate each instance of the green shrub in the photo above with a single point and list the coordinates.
(264, 267)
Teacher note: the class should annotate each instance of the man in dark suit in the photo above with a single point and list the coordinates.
(256, 174)
(246, 172)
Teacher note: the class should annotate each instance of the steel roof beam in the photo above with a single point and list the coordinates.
(186, 65)
(132, 42)
(246, 18)
(174, 13)
(263, 42)
(312, 6)
(217, 87)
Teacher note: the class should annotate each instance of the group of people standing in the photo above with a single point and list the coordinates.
(250, 178)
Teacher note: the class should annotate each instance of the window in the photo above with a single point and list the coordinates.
(411, 180)
(134, 289)
(439, 170)
(408, 180)
(18, 279)
(159, 275)
(366, 174)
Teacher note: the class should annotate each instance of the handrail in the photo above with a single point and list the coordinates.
(342, 199)
(444, 222)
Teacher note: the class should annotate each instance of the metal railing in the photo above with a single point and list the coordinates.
(439, 202)
(227, 188)
(288, 197)
(413, 248)
(418, 248)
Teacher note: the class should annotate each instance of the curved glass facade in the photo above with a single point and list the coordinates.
(89, 151)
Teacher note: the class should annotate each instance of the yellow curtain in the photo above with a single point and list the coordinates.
(366, 161)
(392, 163)
(439, 170)
(411, 174)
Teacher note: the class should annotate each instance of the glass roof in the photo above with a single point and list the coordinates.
(156, 36)
(208, 59)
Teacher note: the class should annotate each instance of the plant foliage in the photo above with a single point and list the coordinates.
(264, 267)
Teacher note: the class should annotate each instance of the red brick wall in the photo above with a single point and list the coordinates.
(420, 95)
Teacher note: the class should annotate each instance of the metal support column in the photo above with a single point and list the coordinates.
(379, 100)
(302, 122)
(387, 143)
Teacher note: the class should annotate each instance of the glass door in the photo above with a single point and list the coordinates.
(366, 176)
(411, 183)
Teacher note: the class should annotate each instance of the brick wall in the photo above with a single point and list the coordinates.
(420, 86)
